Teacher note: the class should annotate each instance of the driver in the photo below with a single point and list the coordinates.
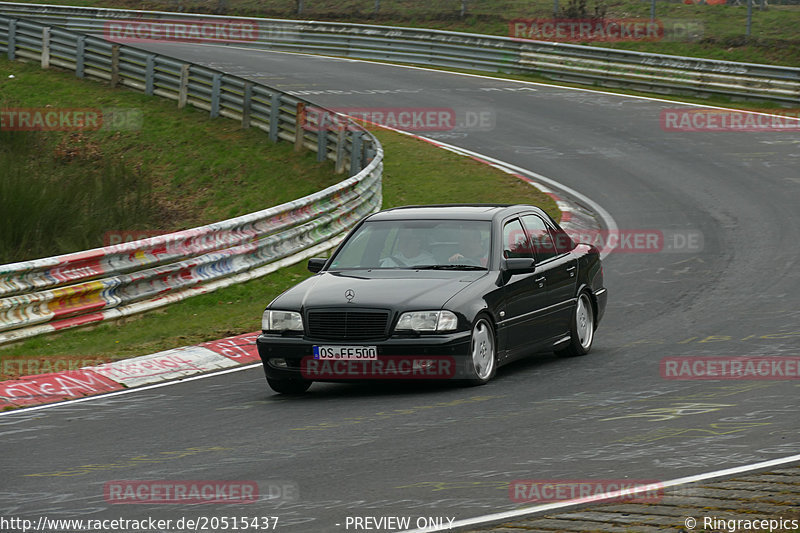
(472, 249)
(409, 251)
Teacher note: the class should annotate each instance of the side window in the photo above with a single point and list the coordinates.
(564, 242)
(515, 243)
(539, 237)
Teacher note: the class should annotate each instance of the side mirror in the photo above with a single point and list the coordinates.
(516, 265)
(315, 264)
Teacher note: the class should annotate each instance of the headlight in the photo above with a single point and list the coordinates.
(427, 321)
(281, 321)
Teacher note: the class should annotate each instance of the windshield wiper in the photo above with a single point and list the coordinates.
(448, 267)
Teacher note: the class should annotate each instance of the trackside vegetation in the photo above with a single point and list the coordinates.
(718, 30)
(181, 169)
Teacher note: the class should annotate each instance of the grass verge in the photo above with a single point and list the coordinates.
(178, 163)
(719, 30)
(415, 172)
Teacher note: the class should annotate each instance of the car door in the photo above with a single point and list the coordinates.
(525, 296)
(561, 272)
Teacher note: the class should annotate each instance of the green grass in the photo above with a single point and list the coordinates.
(59, 200)
(415, 172)
(775, 37)
(193, 170)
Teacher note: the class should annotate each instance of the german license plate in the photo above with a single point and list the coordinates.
(358, 353)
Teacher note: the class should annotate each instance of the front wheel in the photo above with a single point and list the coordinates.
(483, 362)
(581, 329)
(289, 386)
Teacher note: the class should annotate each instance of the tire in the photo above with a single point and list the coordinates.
(581, 329)
(482, 365)
(289, 386)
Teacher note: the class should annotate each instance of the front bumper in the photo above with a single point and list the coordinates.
(413, 358)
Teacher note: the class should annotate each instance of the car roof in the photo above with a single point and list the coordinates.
(452, 211)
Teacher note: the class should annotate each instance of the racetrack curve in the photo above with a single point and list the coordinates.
(433, 450)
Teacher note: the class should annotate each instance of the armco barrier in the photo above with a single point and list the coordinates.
(54, 293)
(558, 61)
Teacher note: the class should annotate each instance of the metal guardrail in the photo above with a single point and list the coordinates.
(49, 294)
(558, 61)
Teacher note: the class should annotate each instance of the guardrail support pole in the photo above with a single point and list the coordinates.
(149, 74)
(322, 139)
(80, 55)
(355, 154)
(370, 153)
(299, 123)
(274, 116)
(46, 47)
(246, 99)
(183, 87)
(216, 83)
(114, 65)
(12, 39)
(340, 144)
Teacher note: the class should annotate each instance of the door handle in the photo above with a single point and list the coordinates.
(571, 271)
(540, 281)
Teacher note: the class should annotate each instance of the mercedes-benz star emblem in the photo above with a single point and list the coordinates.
(349, 294)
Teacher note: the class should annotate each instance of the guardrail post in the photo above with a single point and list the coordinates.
(216, 83)
(149, 74)
(114, 65)
(274, 116)
(46, 47)
(80, 55)
(355, 154)
(183, 86)
(322, 138)
(299, 122)
(340, 144)
(246, 99)
(370, 152)
(12, 39)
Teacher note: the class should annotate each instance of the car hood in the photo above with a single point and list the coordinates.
(385, 289)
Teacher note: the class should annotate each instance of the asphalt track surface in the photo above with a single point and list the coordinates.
(445, 451)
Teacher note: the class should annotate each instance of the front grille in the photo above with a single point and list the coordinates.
(347, 325)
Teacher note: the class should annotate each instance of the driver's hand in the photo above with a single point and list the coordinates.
(456, 258)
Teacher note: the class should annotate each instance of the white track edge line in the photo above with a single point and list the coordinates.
(608, 220)
(496, 78)
(518, 513)
(128, 391)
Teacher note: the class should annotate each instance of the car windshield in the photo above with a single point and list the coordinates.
(417, 244)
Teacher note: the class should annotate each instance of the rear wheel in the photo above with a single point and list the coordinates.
(483, 362)
(581, 330)
(289, 386)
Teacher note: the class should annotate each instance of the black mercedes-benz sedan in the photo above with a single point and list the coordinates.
(435, 292)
